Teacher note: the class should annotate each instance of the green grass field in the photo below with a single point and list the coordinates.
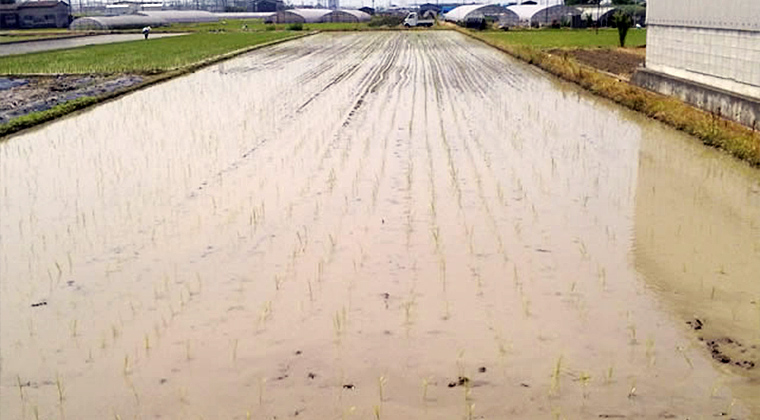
(566, 38)
(154, 55)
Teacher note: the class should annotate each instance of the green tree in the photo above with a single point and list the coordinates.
(623, 21)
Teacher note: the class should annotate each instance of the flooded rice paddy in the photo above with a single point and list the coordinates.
(375, 225)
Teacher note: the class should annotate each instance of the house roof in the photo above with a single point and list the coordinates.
(41, 4)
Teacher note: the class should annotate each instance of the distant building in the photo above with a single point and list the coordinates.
(333, 4)
(261, 6)
(707, 53)
(35, 14)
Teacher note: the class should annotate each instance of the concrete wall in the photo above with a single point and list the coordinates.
(740, 108)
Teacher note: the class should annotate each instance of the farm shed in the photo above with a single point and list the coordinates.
(495, 12)
(545, 15)
(706, 53)
(35, 14)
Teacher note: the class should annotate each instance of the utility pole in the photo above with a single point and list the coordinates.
(598, 15)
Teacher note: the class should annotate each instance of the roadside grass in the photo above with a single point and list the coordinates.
(712, 130)
(152, 56)
(35, 32)
(4, 39)
(564, 38)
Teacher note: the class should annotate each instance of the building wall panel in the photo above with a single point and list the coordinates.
(727, 59)
(726, 14)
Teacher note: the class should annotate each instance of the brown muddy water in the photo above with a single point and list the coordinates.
(374, 225)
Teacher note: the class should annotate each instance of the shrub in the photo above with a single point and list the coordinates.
(295, 27)
(389, 21)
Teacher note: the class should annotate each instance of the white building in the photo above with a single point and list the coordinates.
(706, 43)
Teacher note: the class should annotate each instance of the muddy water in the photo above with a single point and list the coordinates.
(345, 225)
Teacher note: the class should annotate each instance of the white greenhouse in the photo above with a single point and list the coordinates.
(494, 12)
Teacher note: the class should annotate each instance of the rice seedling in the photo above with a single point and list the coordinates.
(585, 380)
(381, 381)
(632, 391)
(555, 378)
(408, 305)
(632, 329)
(234, 349)
(262, 383)
(425, 384)
(526, 306)
(609, 374)
(73, 328)
(686, 357)
(339, 324)
(20, 388)
(470, 410)
(265, 313)
(59, 387)
(730, 409)
(126, 369)
(650, 352)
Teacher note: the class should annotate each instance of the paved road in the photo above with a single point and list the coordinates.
(59, 44)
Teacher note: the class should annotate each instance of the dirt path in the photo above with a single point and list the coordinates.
(375, 225)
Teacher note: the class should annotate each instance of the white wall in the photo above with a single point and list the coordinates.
(728, 14)
(716, 43)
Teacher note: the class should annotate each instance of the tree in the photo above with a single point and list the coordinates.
(623, 21)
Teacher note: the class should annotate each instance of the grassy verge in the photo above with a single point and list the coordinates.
(732, 137)
(151, 56)
(564, 38)
(4, 39)
(35, 118)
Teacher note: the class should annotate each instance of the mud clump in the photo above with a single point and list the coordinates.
(720, 349)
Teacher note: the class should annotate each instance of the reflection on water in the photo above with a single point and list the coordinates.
(346, 224)
(697, 241)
